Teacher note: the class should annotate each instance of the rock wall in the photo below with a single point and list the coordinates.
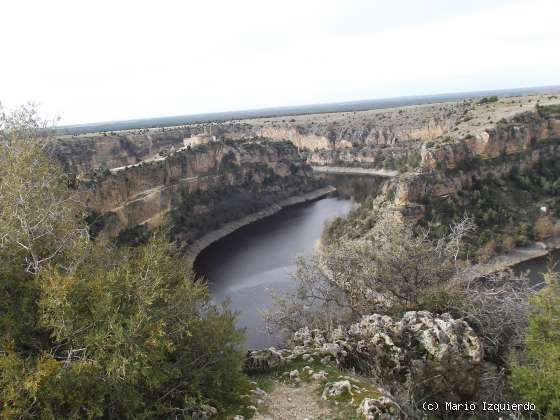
(144, 194)
(345, 132)
(83, 154)
(448, 168)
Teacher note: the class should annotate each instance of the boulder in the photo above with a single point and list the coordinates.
(204, 413)
(440, 355)
(336, 389)
(379, 408)
(319, 376)
(260, 360)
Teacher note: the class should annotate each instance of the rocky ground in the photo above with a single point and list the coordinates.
(319, 375)
(287, 402)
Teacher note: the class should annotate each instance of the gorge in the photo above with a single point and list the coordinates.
(203, 182)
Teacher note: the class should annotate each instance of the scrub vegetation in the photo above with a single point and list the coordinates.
(88, 330)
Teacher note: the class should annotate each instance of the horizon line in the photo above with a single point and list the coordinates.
(292, 109)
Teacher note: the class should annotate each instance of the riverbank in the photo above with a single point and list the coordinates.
(347, 170)
(192, 251)
(517, 256)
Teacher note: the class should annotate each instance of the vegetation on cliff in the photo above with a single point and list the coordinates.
(255, 188)
(494, 204)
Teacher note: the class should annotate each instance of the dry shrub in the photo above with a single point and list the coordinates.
(487, 251)
(544, 227)
(508, 243)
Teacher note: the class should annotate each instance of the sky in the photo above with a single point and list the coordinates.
(112, 60)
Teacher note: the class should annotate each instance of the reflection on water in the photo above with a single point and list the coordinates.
(258, 259)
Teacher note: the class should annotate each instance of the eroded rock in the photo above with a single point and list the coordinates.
(440, 354)
(336, 389)
(378, 408)
(259, 360)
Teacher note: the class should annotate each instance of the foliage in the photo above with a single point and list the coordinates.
(537, 378)
(133, 236)
(393, 269)
(131, 334)
(39, 215)
(88, 330)
(200, 211)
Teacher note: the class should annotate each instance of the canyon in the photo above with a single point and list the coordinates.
(223, 189)
(137, 180)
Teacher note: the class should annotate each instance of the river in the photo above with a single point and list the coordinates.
(537, 266)
(259, 258)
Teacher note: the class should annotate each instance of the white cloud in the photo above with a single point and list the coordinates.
(125, 59)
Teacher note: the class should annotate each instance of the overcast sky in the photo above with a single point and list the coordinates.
(108, 60)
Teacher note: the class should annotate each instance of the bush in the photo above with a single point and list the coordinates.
(536, 375)
(391, 270)
(132, 334)
(88, 330)
(489, 99)
(544, 227)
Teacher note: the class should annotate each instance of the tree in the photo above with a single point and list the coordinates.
(40, 218)
(88, 330)
(390, 269)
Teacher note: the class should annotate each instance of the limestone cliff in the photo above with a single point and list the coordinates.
(145, 193)
(82, 154)
(450, 166)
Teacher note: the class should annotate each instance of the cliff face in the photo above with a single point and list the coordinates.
(82, 154)
(518, 134)
(356, 137)
(143, 194)
(520, 142)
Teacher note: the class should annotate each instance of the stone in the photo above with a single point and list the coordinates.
(294, 374)
(319, 376)
(205, 413)
(377, 408)
(336, 389)
(252, 408)
(442, 354)
(258, 393)
(261, 360)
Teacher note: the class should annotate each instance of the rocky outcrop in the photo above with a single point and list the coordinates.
(449, 167)
(519, 134)
(379, 408)
(366, 128)
(439, 355)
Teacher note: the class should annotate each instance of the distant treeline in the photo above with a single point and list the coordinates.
(352, 106)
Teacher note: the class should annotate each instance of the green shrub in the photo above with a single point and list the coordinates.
(132, 335)
(537, 379)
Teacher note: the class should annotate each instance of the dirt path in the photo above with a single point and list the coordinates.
(287, 402)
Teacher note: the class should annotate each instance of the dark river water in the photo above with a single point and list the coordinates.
(536, 267)
(258, 259)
